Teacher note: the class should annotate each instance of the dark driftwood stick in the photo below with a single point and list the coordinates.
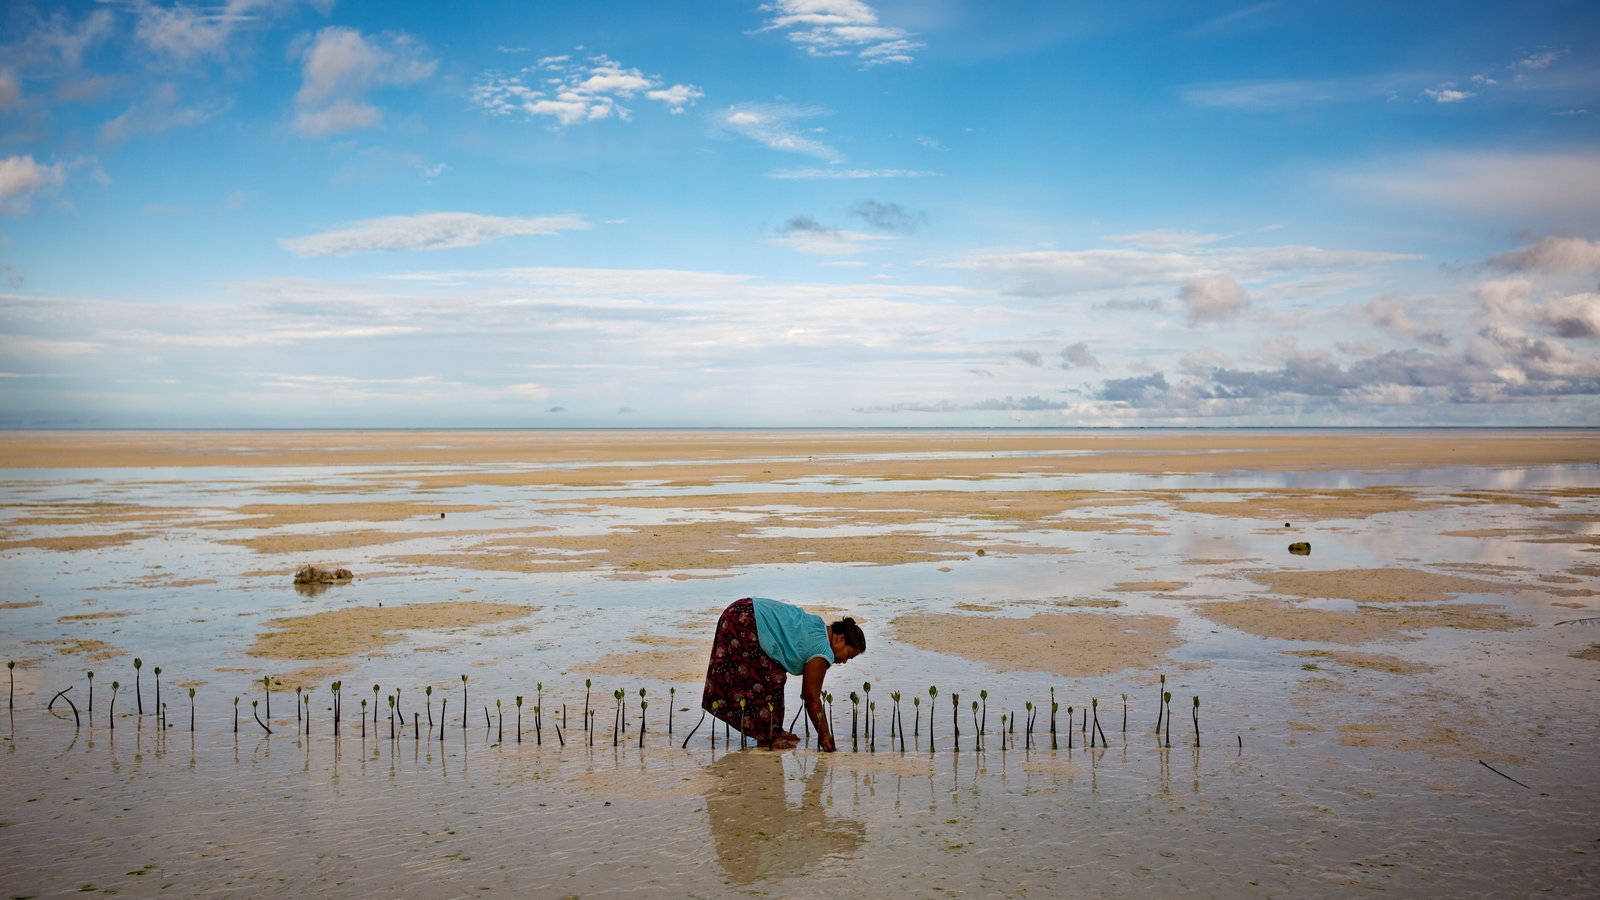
(62, 694)
(562, 741)
(1486, 766)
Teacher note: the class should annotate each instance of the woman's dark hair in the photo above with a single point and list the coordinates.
(851, 632)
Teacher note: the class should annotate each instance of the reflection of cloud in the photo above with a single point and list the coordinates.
(759, 834)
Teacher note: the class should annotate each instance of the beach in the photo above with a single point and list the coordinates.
(1408, 705)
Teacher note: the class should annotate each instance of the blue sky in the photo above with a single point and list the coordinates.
(799, 212)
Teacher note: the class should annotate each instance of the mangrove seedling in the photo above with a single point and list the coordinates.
(560, 738)
(616, 718)
(1103, 741)
(1002, 732)
(298, 696)
(1166, 699)
(1069, 728)
(500, 717)
(976, 727)
(157, 670)
(463, 701)
(900, 723)
(855, 700)
(375, 704)
(872, 726)
(1159, 703)
(643, 705)
(363, 716)
(1124, 714)
(337, 696)
(519, 718)
(91, 691)
(916, 723)
(399, 712)
(235, 706)
(538, 727)
(1197, 721)
(672, 700)
(427, 701)
(390, 698)
(191, 710)
(538, 702)
(983, 727)
(137, 693)
(587, 683)
(112, 713)
(955, 718)
(443, 702)
(258, 716)
(1027, 732)
(11, 673)
(416, 725)
(933, 695)
(866, 687)
(591, 729)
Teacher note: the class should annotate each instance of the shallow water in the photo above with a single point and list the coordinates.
(1315, 777)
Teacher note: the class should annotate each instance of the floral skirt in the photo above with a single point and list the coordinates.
(744, 686)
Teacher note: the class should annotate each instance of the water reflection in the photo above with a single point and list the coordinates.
(759, 833)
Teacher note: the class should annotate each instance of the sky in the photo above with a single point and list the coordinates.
(270, 213)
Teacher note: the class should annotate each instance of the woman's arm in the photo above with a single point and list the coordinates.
(811, 695)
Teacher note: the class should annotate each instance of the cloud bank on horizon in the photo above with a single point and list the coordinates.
(798, 212)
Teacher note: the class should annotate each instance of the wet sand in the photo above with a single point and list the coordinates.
(1346, 697)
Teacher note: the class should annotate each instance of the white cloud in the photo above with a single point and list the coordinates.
(1051, 273)
(840, 27)
(1447, 93)
(1279, 95)
(430, 231)
(807, 236)
(816, 174)
(156, 113)
(1552, 254)
(773, 125)
(22, 179)
(1540, 60)
(58, 41)
(1536, 185)
(185, 33)
(339, 66)
(528, 391)
(1165, 239)
(1213, 299)
(570, 92)
(13, 345)
(1391, 313)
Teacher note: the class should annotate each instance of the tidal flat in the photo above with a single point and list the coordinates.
(1410, 707)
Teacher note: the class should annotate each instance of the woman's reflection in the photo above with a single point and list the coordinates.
(761, 835)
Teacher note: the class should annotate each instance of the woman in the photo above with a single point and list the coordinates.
(759, 644)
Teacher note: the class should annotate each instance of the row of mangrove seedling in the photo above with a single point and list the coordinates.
(1085, 722)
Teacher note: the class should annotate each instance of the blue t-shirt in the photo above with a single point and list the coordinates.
(790, 635)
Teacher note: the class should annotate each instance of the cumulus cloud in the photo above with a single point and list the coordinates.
(840, 28)
(158, 112)
(1135, 389)
(184, 33)
(807, 235)
(890, 216)
(1447, 93)
(1552, 254)
(571, 92)
(1213, 299)
(22, 179)
(1390, 312)
(339, 65)
(430, 231)
(1077, 356)
(774, 125)
(818, 174)
(1510, 305)
(1520, 185)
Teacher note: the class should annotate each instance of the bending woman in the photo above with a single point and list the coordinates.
(759, 644)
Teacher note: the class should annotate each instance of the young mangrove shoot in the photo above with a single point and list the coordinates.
(463, 701)
(519, 718)
(1166, 699)
(253, 712)
(137, 692)
(91, 691)
(1197, 721)
(643, 705)
(427, 702)
(191, 710)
